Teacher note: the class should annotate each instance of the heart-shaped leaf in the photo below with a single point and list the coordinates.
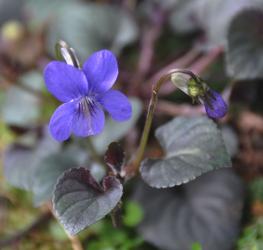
(193, 146)
(79, 200)
(244, 49)
(114, 157)
(207, 210)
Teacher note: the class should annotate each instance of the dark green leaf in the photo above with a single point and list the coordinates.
(193, 146)
(207, 210)
(21, 107)
(41, 11)
(244, 49)
(80, 201)
(50, 168)
(231, 140)
(22, 159)
(91, 27)
(212, 17)
(10, 10)
(35, 164)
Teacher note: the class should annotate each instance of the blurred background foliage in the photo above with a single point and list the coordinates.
(221, 40)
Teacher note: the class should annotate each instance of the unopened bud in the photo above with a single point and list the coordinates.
(215, 105)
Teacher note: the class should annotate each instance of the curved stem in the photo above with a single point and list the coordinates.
(134, 165)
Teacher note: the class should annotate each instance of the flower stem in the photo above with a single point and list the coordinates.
(134, 165)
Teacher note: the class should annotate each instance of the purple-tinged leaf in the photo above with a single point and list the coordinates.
(193, 147)
(79, 200)
(207, 210)
(114, 157)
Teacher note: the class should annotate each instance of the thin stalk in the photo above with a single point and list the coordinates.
(145, 135)
(134, 164)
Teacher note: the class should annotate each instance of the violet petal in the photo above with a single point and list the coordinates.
(101, 70)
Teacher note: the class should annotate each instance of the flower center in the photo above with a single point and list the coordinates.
(86, 105)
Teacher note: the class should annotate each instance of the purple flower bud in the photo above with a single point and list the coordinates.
(215, 105)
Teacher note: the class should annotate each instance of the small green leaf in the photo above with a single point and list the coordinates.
(244, 49)
(133, 214)
(196, 246)
(193, 147)
(252, 236)
(79, 200)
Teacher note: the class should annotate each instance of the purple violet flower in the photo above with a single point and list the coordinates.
(84, 94)
(215, 105)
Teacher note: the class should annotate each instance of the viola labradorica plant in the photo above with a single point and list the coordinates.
(79, 199)
(84, 93)
(200, 92)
